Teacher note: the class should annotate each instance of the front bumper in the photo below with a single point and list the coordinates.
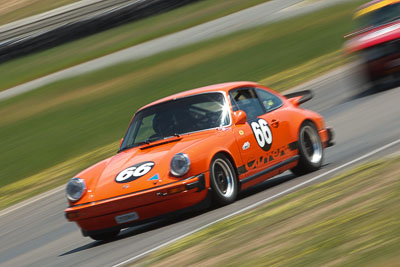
(151, 203)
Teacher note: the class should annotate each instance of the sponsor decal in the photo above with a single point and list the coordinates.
(292, 146)
(134, 172)
(270, 156)
(246, 146)
(262, 133)
(154, 178)
(250, 163)
(242, 169)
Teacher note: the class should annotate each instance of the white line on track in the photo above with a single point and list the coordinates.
(262, 201)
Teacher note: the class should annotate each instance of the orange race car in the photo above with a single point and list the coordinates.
(206, 144)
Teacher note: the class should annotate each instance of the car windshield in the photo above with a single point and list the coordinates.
(379, 17)
(176, 117)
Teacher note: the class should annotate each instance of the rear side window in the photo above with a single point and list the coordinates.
(269, 100)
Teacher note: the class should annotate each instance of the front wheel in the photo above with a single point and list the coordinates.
(310, 150)
(223, 180)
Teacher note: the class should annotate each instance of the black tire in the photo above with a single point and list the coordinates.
(105, 236)
(223, 180)
(310, 148)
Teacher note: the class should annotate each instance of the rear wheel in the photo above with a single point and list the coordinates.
(223, 180)
(310, 150)
(105, 236)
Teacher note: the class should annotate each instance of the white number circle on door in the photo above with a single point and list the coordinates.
(262, 133)
(134, 172)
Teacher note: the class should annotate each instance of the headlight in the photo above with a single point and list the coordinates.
(180, 164)
(75, 189)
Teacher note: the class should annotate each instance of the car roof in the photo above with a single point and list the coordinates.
(372, 6)
(221, 87)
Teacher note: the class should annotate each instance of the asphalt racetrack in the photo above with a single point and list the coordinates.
(367, 127)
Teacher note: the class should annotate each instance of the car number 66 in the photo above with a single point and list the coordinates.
(134, 172)
(262, 133)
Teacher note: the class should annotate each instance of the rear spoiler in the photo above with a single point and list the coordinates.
(301, 97)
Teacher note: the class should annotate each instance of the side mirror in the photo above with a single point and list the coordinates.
(239, 117)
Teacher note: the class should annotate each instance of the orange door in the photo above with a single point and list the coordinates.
(263, 140)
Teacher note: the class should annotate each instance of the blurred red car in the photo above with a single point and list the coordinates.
(206, 144)
(377, 40)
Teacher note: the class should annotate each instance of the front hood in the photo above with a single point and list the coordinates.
(136, 169)
(373, 37)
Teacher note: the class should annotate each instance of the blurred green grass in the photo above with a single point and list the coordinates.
(48, 61)
(350, 220)
(67, 119)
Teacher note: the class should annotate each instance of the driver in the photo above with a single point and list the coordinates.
(164, 124)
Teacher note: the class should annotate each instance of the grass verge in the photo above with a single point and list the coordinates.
(39, 64)
(63, 121)
(297, 75)
(349, 220)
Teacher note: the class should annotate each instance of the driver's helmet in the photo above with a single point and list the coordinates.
(163, 124)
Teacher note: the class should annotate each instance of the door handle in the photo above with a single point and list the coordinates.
(275, 123)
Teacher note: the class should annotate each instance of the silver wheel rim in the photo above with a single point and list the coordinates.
(223, 178)
(311, 143)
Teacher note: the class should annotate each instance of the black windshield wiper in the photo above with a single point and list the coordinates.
(166, 140)
(151, 140)
(147, 141)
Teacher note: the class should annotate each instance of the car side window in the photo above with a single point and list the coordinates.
(269, 100)
(246, 99)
